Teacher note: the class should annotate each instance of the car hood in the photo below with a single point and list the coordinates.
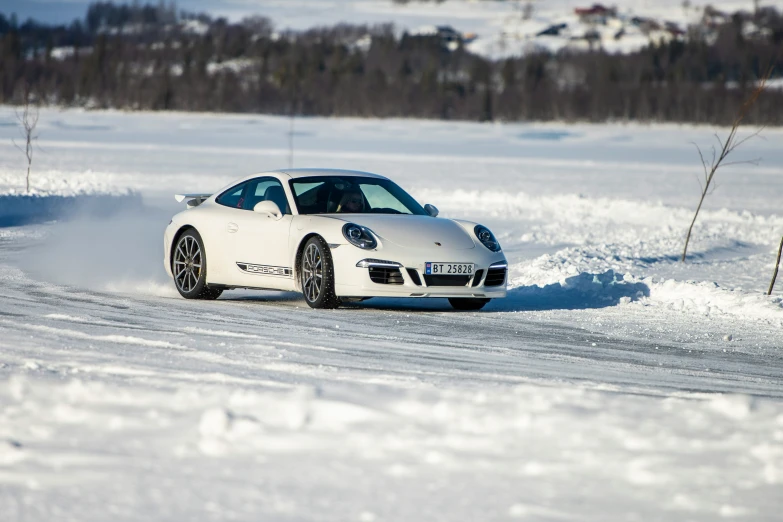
(414, 231)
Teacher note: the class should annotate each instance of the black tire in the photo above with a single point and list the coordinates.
(468, 303)
(316, 265)
(189, 266)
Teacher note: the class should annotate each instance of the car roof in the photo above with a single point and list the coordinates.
(306, 173)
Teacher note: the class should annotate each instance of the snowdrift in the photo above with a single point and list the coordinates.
(581, 291)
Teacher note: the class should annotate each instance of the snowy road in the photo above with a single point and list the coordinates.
(601, 389)
(392, 338)
(260, 407)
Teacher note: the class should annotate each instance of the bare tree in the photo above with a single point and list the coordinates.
(775, 273)
(28, 120)
(726, 147)
(291, 141)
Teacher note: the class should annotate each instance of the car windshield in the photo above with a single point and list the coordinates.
(352, 195)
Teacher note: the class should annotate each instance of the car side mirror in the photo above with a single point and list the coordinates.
(270, 208)
(432, 210)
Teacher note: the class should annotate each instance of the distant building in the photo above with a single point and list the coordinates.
(595, 15)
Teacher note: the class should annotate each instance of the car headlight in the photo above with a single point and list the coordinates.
(487, 239)
(359, 236)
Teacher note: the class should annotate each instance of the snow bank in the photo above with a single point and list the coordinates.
(56, 182)
(708, 298)
(571, 278)
(588, 290)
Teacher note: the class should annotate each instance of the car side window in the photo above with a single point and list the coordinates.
(266, 189)
(233, 196)
(310, 197)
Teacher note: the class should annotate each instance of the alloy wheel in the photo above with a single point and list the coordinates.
(187, 263)
(312, 272)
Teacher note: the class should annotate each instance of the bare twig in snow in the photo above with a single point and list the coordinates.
(775, 273)
(726, 147)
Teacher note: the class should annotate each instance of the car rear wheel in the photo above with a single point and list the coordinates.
(317, 274)
(189, 266)
(467, 303)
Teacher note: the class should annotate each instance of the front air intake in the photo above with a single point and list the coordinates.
(477, 278)
(446, 280)
(496, 276)
(386, 275)
(414, 275)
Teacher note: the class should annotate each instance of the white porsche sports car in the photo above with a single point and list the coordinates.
(333, 235)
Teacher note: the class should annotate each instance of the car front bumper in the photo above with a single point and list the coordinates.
(355, 281)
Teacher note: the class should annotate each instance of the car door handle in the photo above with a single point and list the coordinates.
(232, 227)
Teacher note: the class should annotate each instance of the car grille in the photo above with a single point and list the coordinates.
(446, 280)
(495, 276)
(414, 275)
(477, 278)
(385, 276)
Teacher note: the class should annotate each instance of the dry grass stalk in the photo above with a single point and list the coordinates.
(28, 119)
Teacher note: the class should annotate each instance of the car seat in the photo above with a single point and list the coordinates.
(276, 194)
(251, 199)
(335, 196)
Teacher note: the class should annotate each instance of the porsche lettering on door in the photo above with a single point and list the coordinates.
(279, 271)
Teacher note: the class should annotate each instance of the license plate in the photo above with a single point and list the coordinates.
(448, 268)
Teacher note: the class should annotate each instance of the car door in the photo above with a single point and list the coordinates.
(219, 236)
(261, 241)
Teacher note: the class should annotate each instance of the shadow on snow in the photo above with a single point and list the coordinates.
(579, 292)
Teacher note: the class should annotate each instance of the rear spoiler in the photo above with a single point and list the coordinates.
(194, 200)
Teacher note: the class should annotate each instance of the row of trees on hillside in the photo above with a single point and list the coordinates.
(151, 57)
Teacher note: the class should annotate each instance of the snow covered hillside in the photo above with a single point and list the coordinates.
(499, 26)
(613, 383)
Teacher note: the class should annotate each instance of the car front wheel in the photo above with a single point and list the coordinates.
(468, 303)
(189, 266)
(317, 274)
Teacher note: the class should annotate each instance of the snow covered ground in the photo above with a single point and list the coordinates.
(603, 387)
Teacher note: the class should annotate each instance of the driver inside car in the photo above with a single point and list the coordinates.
(352, 202)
